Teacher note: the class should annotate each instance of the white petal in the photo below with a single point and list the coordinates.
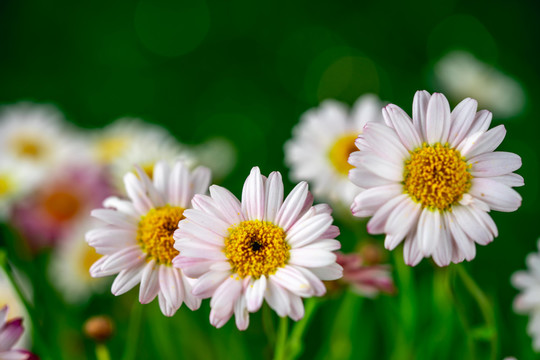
(180, 193)
(200, 179)
(411, 252)
(475, 229)
(462, 118)
(311, 257)
(438, 119)
(330, 272)
(207, 220)
(401, 221)
(292, 206)
(255, 293)
(385, 142)
(230, 206)
(497, 195)
(494, 164)
(225, 296)
(487, 142)
(107, 240)
(512, 180)
(273, 196)
(126, 280)
(192, 302)
(291, 279)
(171, 287)
(442, 254)
(253, 195)
(209, 282)
(429, 231)
(149, 283)
(161, 178)
(365, 179)
(121, 205)
(125, 258)
(377, 223)
(115, 218)
(192, 267)
(241, 314)
(137, 193)
(463, 242)
(314, 282)
(386, 169)
(402, 123)
(368, 201)
(277, 298)
(304, 232)
(297, 307)
(420, 106)
(194, 232)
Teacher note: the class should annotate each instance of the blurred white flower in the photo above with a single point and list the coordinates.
(219, 154)
(16, 181)
(528, 300)
(69, 268)
(461, 75)
(321, 145)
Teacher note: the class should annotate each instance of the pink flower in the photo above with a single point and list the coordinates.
(10, 332)
(366, 280)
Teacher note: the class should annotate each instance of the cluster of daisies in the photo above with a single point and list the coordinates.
(428, 182)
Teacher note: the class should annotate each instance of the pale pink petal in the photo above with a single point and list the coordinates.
(108, 240)
(199, 249)
(121, 205)
(253, 196)
(154, 195)
(401, 221)
(137, 193)
(255, 293)
(523, 280)
(377, 223)
(388, 144)
(205, 220)
(311, 257)
(161, 178)
(200, 179)
(498, 196)
(481, 122)
(365, 179)
(277, 298)
(314, 282)
(180, 193)
(194, 232)
(381, 167)
(420, 106)
(494, 164)
(442, 254)
(291, 279)
(116, 218)
(192, 302)
(149, 283)
(191, 266)
(307, 231)
(462, 118)
(171, 288)
(127, 257)
(429, 231)
(512, 180)
(411, 252)
(228, 204)
(330, 272)
(475, 229)
(273, 196)
(126, 280)
(487, 142)
(402, 123)
(209, 282)
(369, 201)
(366, 108)
(297, 307)
(241, 314)
(438, 119)
(10, 334)
(463, 242)
(224, 297)
(292, 206)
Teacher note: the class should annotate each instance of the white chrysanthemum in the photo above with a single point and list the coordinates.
(321, 145)
(16, 181)
(137, 238)
(127, 142)
(9, 297)
(35, 136)
(462, 75)
(432, 180)
(70, 264)
(528, 301)
(261, 248)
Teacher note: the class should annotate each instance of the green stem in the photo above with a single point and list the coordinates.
(133, 332)
(268, 325)
(102, 353)
(37, 336)
(281, 337)
(295, 340)
(483, 304)
(340, 344)
(463, 318)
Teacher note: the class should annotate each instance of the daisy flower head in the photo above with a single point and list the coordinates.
(321, 145)
(528, 300)
(262, 248)
(36, 136)
(432, 180)
(10, 333)
(136, 238)
(15, 183)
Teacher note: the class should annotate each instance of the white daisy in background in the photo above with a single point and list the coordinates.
(127, 142)
(36, 136)
(321, 145)
(432, 180)
(218, 154)
(528, 301)
(69, 268)
(9, 298)
(16, 181)
(260, 248)
(461, 75)
(137, 236)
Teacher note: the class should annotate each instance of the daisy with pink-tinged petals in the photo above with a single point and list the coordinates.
(432, 180)
(10, 332)
(365, 280)
(137, 236)
(263, 248)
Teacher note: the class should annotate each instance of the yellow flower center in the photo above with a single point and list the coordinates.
(89, 257)
(28, 147)
(6, 184)
(110, 148)
(340, 151)
(256, 248)
(436, 176)
(155, 233)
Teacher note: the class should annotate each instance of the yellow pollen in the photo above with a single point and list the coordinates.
(28, 147)
(110, 148)
(340, 151)
(256, 248)
(155, 233)
(149, 170)
(436, 176)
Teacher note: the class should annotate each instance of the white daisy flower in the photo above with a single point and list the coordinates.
(528, 301)
(35, 136)
(432, 180)
(70, 264)
(127, 142)
(137, 238)
(260, 248)
(16, 181)
(462, 75)
(321, 145)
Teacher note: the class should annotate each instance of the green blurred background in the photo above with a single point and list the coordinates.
(246, 71)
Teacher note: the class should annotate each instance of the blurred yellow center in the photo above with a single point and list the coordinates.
(256, 248)
(436, 176)
(6, 185)
(89, 257)
(109, 149)
(28, 147)
(155, 233)
(340, 151)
